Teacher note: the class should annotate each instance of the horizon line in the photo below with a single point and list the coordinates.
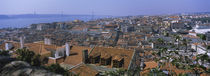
(109, 15)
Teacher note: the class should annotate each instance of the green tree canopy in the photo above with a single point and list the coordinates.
(56, 68)
(202, 36)
(28, 56)
(4, 53)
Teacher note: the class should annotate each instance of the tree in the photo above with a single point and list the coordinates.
(28, 56)
(185, 42)
(56, 68)
(208, 47)
(202, 36)
(165, 57)
(195, 68)
(4, 53)
(123, 72)
(182, 75)
(118, 72)
(160, 40)
(202, 57)
(36, 60)
(156, 72)
(162, 51)
(181, 61)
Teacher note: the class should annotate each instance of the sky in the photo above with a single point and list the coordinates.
(103, 7)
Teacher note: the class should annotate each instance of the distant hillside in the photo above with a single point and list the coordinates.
(36, 16)
(19, 21)
(4, 17)
(43, 16)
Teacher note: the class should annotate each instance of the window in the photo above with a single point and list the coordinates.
(108, 61)
(115, 64)
(97, 59)
(118, 64)
(121, 64)
(103, 61)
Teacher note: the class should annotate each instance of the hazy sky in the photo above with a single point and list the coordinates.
(103, 7)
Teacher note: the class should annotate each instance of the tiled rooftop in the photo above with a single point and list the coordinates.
(116, 53)
(75, 55)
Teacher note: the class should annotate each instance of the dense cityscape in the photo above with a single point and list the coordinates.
(105, 38)
(132, 45)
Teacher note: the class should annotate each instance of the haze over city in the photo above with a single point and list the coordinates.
(103, 7)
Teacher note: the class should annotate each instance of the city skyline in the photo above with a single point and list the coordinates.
(105, 7)
(104, 38)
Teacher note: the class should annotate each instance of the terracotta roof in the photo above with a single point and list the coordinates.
(194, 57)
(174, 17)
(148, 35)
(84, 70)
(196, 43)
(105, 55)
(75, 55)
(151, 64)
(51, 61)
(40, 48)
(146, 53)
(204, 74)
(16, 45)
(96, 27)
(192, 32)
(173, 68)
(79, 28)
(147, 47)
(111, 25)
(117, 57)
(140, 39)
(126, 36)
(190, 36)
(116, 53)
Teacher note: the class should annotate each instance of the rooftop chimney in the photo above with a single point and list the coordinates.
(67, 49)
(8, 46)
(152, 45)
(56, 54)
(85, 56)
(21, 42)
(145, 38)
